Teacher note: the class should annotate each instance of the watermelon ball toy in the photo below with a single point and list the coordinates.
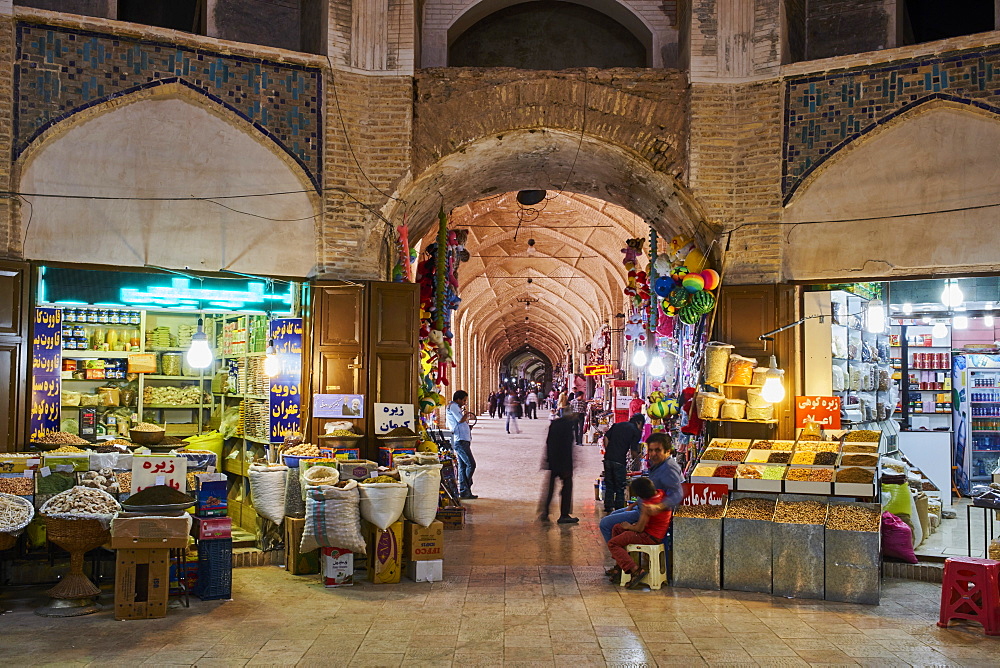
(679, 273)
(693, 283)
(678, 297)
(688, 315)
(702, 301)
(663, 286)
(712, 279)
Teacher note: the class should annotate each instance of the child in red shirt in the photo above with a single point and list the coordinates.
(654, 520)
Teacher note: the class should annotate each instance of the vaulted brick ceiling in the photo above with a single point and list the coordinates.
(575, 269)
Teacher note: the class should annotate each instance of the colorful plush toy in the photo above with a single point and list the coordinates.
(683, 250)
(634, 330)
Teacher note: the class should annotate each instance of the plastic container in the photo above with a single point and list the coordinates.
(740, 370)
(716, 362)
(215, 569)
(172, 364)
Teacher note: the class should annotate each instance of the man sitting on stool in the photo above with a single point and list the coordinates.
(652, 526)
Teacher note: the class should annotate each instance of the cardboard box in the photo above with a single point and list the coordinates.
(387, 456)
(19, 463)
(337, 566)
(209, 528)
(211, 499)
(150, 532)
(423, 543)
(296, 562)
(142, 583)
(453, 518)
(356, 469)
(426, 571)
(385, 552)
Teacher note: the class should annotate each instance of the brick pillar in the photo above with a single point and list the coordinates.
(10, 235)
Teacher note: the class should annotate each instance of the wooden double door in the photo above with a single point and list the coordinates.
(365, 341)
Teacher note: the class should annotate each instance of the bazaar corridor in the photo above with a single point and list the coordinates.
(515, 592)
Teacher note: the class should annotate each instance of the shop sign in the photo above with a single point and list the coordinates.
(338, 405)
(46, 369)
(286, 386)
(393, 416)
(150, 470)
(598, 370)
(824, 411)
(702, 494)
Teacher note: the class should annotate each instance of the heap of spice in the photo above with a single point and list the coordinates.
(863, 476)
(859, 460)
(714, 454)
(751, 509)
(725, 472)
(157, 495)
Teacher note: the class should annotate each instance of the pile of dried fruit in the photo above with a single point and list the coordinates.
(863, 476)
(734, 455)
(81, 501)
(703, 511)
(725, 472)
(810, 475)
(61, 438)
(66, 450)
(146, 426)
(804, 458)
(825, 458)
(863, 435)
(751, 509)
(303, 450)
(779, 457)
(848, 517)
(748, 471)
(800, 512)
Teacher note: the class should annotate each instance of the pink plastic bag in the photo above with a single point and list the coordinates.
(897, 539)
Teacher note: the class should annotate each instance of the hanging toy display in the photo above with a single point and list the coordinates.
(690, 295)
(637, 290)
(401, 271)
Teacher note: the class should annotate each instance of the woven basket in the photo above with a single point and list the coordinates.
(76, 537)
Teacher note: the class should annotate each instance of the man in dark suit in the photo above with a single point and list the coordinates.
(559, 463)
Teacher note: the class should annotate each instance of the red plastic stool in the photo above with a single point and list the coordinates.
(970, 589)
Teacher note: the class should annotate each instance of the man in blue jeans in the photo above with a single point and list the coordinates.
(461, 442)
(663, 471)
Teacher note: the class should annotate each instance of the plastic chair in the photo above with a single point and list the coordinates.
(657, 558)
(970, 589)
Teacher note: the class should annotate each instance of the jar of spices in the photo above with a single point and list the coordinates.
(114, 317)
(93, 316)
(134, 318)
(68, 315)
(103, 317)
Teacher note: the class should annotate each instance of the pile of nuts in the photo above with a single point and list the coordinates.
(800, 512)
(17, 486)
(124, 481)
(66, 450)
(751, 509)
(784, 446)
(848, 517)
(863, 435)
(811, 475)
(818, 446)
(81, 501)
(734, 455)
(61, 438)
(303, 450)
(749, 472)
(146, 426)
(703, 511)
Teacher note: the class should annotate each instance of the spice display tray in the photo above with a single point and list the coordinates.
(712, 480)
(854, 489)
(758, 485)
(807, 487)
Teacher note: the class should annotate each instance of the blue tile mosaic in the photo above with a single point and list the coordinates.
(59, 72)
(825, 113)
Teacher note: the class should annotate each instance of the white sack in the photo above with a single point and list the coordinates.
(424, 483)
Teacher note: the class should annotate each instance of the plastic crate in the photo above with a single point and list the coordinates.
(215, 569)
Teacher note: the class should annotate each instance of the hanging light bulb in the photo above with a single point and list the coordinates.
(199, 355)
(907, 308)
(773, 390)
(272, 365)
(656, 366)
(952, 295)
(960, 322)
(926, 319)
(639, 357)
(531, 247)
(939, 331)
(988, 320)
(875, 316)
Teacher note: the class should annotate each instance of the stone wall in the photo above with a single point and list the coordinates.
(734, 173)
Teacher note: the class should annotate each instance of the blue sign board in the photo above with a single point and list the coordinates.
(286, 386)
(46, 370)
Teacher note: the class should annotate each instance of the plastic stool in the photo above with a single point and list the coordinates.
(657, 558)
(970, 589)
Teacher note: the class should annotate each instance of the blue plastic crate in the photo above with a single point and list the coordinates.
(215, 569)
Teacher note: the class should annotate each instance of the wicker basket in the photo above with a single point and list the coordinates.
(76, 537)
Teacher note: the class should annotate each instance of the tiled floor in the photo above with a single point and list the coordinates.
(952, 538)
(516, 592)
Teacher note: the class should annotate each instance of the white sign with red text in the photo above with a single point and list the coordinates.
(150, 470)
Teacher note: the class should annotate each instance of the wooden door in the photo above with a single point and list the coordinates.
(339, 336)
(745, 313)
(15, 318)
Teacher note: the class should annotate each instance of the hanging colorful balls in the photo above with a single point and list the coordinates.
(702, 301)
(669, 310)
(658, 410)
(671, 406)
(693, 282)
(679, 273)
(678, 297)
(712, 279)
(663, 286)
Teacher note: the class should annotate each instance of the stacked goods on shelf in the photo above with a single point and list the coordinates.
(160, 337)
(727, 373)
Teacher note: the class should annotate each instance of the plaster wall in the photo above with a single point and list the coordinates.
(166, 148)
(941, 157)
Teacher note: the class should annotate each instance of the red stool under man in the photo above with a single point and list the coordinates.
(970, 589)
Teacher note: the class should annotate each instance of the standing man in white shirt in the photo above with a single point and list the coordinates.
(461, 442)
(532, 405)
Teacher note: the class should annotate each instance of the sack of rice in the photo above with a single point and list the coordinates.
(709, 405)
(734, 409)
(716, 362)
(740, 370)
(765, 412)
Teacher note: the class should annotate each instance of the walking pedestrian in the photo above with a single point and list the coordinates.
(512, 407)
(461, 442)
(579, 406)
(531, 406)
(559, 463)
(493, 404)
(621, 440)
(501, 402)
(562, 403)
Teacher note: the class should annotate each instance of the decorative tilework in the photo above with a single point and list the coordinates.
(59, 72)
(825, 113)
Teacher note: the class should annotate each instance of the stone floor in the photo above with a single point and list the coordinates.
(516, 592)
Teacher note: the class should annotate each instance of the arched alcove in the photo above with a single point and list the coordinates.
(549, 35)
(134, 179)
(912, 194)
